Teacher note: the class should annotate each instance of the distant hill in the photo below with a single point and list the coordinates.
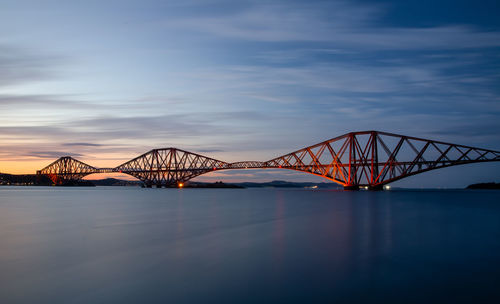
(219, 184)
(285, 184)
(484, 186)
(115, 182)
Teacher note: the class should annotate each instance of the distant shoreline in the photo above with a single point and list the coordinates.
(36, 180)
(490, 186)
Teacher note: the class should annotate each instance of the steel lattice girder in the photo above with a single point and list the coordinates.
(368, 158)
(377, 158)
(169, 166)
(67, 168)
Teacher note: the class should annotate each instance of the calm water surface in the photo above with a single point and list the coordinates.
(132, 245)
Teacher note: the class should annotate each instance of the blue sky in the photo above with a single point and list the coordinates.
(244, 80)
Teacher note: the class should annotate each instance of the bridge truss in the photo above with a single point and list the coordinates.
(373, 159)
(359, 159)
(169, 167)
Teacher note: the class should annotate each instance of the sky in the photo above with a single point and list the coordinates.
(105, 81)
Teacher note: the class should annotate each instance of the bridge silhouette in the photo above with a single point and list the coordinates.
(369, 159)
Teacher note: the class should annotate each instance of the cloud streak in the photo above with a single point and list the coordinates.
(339, 23)
(21, 65)
(81, 145)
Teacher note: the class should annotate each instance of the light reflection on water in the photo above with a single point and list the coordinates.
(130, 245)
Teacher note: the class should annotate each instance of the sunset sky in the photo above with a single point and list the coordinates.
(105, 81)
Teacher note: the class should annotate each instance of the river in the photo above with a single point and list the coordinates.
(135, 245)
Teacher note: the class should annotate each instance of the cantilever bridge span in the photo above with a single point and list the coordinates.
(359, 159)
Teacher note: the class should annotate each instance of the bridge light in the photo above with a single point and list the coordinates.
(180, 185)
(279, 166)
(215, 168)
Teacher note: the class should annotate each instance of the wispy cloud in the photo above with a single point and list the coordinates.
(208, 150)
(20, 65)
(51, 154)
(341, 23)
(81, 144)
(111, 134)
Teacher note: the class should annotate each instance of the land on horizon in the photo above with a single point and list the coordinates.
(34, 180)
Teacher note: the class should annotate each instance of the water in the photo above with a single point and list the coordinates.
(132, 245)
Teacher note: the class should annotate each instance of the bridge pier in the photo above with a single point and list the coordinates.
(376, 188)
(371, 188)
(351, 187)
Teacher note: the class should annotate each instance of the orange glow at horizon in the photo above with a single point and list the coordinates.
(17, 167)
(30, 165)
(25, 167)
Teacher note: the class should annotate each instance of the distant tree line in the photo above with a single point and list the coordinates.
(24, 179)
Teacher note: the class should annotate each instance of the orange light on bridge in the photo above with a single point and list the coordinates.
(180, 185)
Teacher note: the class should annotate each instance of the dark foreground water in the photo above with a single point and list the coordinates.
(132, 245)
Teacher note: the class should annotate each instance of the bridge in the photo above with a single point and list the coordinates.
(369, 159)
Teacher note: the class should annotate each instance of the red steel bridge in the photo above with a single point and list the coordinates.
(359, 159)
